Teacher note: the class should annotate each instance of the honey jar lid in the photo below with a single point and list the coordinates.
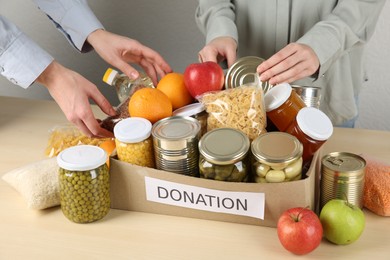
(224, 146)
(275, 148)
(314, 123)
(132, 130)
(276, 96)
(81, 158)
(189, 110)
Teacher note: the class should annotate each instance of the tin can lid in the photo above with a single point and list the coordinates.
(109, 76)
(276, 96)
(344, 162)
(224, 146)
(242, 72)
(314, 123)
(81, 158)
(176, 128)
(189, 110)
(274, 148)
(132, 129)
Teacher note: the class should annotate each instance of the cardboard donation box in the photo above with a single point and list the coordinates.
(149, 190)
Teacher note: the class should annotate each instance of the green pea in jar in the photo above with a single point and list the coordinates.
(84, 181)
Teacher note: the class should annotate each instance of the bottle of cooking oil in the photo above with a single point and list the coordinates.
(125, 87)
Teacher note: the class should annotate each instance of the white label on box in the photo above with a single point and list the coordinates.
(238, 203)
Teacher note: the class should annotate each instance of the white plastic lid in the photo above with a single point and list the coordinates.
(276, 96)
(132, 129)
(314, 123)
(81, 158)
(110, 75)
(189, 110)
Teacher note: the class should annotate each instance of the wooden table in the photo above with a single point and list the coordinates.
(47, 234)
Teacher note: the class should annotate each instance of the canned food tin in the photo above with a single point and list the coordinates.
(197, 111)
(276, 157)
(243, 72)
(222, 160)
(175, 142)
(310, 95)
(342, 177)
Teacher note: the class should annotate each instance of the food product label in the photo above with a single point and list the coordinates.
(249, 204)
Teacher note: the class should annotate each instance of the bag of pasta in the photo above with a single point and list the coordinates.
(241, 108)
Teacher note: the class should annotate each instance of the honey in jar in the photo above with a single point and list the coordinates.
(282, 105)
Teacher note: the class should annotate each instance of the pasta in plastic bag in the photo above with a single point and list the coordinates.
(241, 108)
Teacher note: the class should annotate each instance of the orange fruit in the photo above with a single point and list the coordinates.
(151, 104)
(108, 146)
(172, 85)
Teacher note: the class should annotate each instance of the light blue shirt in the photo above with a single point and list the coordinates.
(22, 60)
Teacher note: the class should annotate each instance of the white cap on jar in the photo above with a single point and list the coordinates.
(81, 158)
(276, 96)
(132, 130)
(314, 123)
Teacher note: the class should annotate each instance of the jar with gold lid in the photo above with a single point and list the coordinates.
(276, 157)
(223, 155)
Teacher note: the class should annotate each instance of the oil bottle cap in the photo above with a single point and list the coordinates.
(81, 158)
(314, 123)
(276, 96)
(132, 129)
(109, 76)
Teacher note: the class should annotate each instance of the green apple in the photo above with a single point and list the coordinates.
(343, 222)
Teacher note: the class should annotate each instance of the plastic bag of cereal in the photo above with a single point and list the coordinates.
(241, 108)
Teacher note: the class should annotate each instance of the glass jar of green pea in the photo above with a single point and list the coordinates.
(84, 183)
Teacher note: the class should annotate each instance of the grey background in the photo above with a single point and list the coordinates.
(169, 28)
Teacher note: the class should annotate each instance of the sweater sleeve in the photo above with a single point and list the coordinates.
(351, 24)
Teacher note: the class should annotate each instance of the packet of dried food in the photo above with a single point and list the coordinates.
(241, 108)
(67, 135)
(122, 112)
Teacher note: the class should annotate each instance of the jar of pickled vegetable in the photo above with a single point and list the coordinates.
(134, 143)
(84, 182)
(276, 157)
(223, 155)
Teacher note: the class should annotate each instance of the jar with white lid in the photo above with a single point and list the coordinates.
(276, 157)
(223, 155)
(282, 105)
(84, 183)
(133, 141)
(312, 128)
(197, 111)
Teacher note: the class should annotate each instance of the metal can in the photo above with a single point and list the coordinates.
(310, 95)
(342, 177)
(175, 142)
(243, 72)
(197, 111)
(276, 157)
(223, 155)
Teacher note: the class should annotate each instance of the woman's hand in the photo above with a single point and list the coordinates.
(293, 62)
(219, 49)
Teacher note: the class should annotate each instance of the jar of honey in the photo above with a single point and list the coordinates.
(312, 128)
(282, 104)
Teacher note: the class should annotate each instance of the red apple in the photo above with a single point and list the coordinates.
(203, 77)
(299, 230)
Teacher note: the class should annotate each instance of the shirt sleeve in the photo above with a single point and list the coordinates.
(350, 24)
(73, 18)
(216, 18)
(21, 59)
